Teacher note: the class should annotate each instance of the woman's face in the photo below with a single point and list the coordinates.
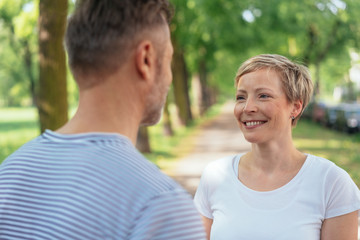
(262, 109)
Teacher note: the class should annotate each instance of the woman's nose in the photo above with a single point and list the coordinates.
(250, 106)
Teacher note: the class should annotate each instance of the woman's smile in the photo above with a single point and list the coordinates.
(253, 124)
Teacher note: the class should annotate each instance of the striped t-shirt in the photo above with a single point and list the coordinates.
(90, 186)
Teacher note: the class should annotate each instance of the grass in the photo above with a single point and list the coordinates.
(341, 148)
(18, 126)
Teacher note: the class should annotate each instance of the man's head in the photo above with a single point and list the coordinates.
(162, 76)
(101, 34)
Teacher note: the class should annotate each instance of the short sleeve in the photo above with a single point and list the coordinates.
(171, 215)
(201, 198)
(342, 194)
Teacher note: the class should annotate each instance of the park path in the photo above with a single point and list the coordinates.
(217, 138)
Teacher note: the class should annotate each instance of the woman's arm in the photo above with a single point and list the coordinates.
(344, 227)
(207, 224)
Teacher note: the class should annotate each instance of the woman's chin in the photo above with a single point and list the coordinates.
(253, 139)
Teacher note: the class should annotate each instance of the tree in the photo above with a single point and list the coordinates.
(310, 31)
(52, 100)
(18, 60)
(201, 30)
(194, 50)
(180, 85)
(142, 140)
(179, 65)
(166, 120)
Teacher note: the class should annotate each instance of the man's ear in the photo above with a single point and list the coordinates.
(145, 59)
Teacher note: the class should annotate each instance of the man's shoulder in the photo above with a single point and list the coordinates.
(154, 180)
(139, 175)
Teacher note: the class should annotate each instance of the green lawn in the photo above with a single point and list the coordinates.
(18, 126)
(341, 148)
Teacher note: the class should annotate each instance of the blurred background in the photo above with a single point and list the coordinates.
(211, 39)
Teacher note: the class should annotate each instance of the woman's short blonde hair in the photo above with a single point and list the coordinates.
(295, 78)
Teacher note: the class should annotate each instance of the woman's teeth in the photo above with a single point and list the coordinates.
(253, 123)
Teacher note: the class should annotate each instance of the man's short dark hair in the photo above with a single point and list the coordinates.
(100, 32)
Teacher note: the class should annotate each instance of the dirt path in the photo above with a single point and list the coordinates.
(218, 138)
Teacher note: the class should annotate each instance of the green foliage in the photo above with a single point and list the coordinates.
(26, 20)
(13, 88)
(19, 41)
(18, 37)
(333, 71)
(9, 9)
(222, 33)
(312, 32)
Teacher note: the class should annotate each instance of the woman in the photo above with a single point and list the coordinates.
(274, 191)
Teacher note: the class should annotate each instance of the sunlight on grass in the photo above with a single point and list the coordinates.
(17, 126)
(317, 143)
(17, 114)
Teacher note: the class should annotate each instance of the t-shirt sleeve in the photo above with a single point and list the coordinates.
(201, 198)
(342, 196)
(171, 215)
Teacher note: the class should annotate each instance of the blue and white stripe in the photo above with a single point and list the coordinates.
(90, 186)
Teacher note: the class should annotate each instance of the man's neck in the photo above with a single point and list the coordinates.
(106, 109)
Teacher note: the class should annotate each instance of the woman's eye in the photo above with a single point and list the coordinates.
(264, 96)
(240, 98)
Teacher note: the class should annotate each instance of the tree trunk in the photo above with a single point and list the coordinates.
(205, 102)
(317, 81)
(167, 126)
(180, 84)
(29, 70)
(52, 101)
(142, 141)
(351, 89)
(312, 35)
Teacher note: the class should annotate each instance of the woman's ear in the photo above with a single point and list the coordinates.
(297, 108)
(145, 59)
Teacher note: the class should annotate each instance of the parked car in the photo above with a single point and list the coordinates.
(348, 118)
(315, 111)
(330, 116)
(318, 112)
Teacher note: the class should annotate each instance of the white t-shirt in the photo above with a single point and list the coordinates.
(294, 211)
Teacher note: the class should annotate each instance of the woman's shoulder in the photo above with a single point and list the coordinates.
(339, 191)
(326, 168)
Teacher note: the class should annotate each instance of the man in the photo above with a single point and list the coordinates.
(86, 180)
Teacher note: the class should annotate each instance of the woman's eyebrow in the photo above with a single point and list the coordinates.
(260, 89)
